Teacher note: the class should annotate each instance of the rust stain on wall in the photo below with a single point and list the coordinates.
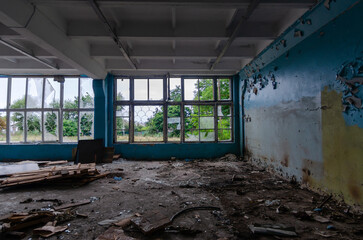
(285, 161)
(342, 151)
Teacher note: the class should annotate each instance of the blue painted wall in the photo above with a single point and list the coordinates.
(294, 121)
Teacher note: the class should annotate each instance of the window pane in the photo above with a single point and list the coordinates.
(191, 135)
(175, 89)
(17, 127)
(35, 93)
(174, 122)
(51, 126)
(148, 123)
(70, 93)
(140, 89)
(86, 125)
(190, 89)
(3, 93)
(122, 129)
(207, 135)
(18, 86)
(206, 122)
(224, 92)
(2, 127)
(87, 95)
(206, 91)
(224, 110)
(224, 122)
(224, 135)
(206, 110)
(34, 128)
(156, 89)
(122, 111)
(123, 89)
(51, 93)
(70, 126)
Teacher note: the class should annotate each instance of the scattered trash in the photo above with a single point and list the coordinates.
(114, 234)
(269, 203)
(317, 210)
(272, 230)
(320, 219)
(330, 227)
(117, 178)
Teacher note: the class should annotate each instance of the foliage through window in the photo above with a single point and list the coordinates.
(173, 110)
(41, 109)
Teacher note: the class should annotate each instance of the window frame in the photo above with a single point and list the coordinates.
(43, 110)
(165, 102)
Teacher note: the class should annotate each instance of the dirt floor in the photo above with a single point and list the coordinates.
(245, 195)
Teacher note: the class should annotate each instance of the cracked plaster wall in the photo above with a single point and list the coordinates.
(303, 110)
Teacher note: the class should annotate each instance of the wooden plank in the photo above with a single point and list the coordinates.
(70, 205)
(151, 222)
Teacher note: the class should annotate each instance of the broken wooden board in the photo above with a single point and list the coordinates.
(114, 234)
(151, 222)
(71, 205)
(49, 229)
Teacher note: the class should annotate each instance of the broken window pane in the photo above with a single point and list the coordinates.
(207, 135)
(140, 89)
(2, 127)
(156, 89)
(70, 93)
(86, 125)
(191, 135)
(122, 123)
(87, 95)
(123, 89)
(175, 89)
(18, 86)
(70, 126)
(16, 127)
(34, 127)
(51, 93)
(224, 89)
(3, 93)
(224, 135)
(224, 110)
(35, 93)
(206, 92)
(148, 123)
(224, 122)
(191, 89)
(174, 123)
(51, 126)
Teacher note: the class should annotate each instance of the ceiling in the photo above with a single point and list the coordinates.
(139, 37)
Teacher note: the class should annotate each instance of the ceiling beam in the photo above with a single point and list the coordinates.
(166, 52)
(181, 3)
(162, 31)
(251, 8)
(112, 32)
(29, 54)
(28, 21)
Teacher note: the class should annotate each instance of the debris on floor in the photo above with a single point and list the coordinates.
(173, 200)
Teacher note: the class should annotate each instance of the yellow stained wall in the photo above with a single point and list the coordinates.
(342, 151)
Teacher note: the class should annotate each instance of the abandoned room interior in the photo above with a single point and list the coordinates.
(181, 119)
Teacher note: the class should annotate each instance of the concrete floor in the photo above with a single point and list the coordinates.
(241, 191)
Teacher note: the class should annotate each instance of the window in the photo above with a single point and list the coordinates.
(173, 110)
(41, 109)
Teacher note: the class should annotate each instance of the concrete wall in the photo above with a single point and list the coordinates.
(294, 121)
